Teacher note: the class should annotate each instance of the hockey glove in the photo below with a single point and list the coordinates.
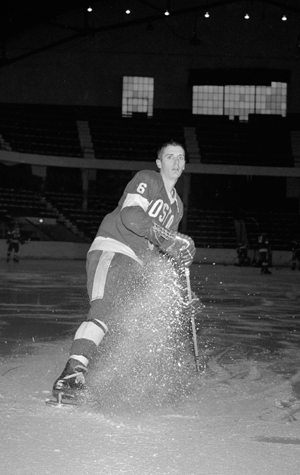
(194, 306)
(187, 255)
(177, 245)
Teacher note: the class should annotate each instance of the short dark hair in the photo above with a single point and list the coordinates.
(166, 144)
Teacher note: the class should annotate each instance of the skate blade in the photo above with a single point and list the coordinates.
(63, 403)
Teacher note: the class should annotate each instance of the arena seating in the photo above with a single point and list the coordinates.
(53, 130)
(70, 206)
(37, 218)
(39, 129)
(212, 228)
(135, 138)
(23, 203)
(263, 141)
(282, 228)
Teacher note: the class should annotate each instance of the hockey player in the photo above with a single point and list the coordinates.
(296, 255)
(264, 251)
(13, 240)
(145, 221)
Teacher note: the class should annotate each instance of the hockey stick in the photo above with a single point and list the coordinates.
(188, 283)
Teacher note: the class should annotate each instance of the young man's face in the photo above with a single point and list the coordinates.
(171, 162)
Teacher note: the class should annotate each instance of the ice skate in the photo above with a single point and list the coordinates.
(70, 386)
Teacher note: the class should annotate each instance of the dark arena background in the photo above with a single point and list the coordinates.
(88, 92)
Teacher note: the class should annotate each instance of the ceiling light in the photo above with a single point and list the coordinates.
(284, 18)
(207, 15)
(90, 9)
(167, 13)
(247, 16)
(127, 11)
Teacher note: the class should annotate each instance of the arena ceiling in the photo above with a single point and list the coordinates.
(17, 18)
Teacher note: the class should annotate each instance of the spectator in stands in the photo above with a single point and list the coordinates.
(142, 228)
(296, 255)
(264, 251)
(13, 239)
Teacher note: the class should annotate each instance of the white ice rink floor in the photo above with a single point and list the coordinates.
(241, 416)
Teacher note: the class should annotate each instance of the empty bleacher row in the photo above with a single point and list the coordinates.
(87, 221)
(39, 129)
(263, 141)
(23, 203)
(53, 130)
(62, 218)
(134, 138)
(212, 228)
(216, 228)
(281, 227)
(37, 217)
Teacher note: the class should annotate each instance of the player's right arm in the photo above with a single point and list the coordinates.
(135, 218)
(139, 193)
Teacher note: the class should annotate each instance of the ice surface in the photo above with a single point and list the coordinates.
(240, 416)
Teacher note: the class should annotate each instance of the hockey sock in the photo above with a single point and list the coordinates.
(87, 339)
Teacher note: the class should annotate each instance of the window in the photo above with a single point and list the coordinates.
(271, 100)
(239, 101)
(138, 93)
(208, 100)
(235, 100)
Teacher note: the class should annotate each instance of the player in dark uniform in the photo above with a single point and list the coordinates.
(264, 251)
(145, 223)
(296, 255)
(13, 239)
